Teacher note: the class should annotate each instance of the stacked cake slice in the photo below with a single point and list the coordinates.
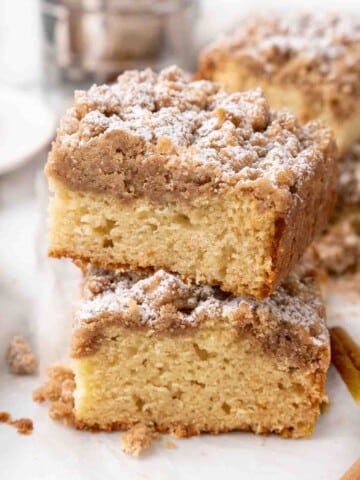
(193, 359)
(188, 210)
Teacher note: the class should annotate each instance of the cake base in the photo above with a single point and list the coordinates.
(186, 387)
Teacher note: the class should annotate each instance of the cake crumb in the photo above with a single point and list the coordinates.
(138, 439)
(4, 417)
(20, 358)
(58, 391)
(170, 444)
(24, 426)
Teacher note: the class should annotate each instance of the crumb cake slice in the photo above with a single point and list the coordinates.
(157, 171)
(188, 359)
(309, 63)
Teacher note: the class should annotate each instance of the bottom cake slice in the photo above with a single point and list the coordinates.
(189, 359)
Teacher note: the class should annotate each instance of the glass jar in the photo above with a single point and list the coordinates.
(92, 41)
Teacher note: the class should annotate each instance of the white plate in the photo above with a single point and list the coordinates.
(26, 126)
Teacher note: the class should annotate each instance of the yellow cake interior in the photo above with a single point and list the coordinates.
(210, 381)
(200, 240)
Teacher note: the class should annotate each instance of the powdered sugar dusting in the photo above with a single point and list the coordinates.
(322, 35)
(274, 39)
(145, 299)
(161, 299)
(317, 52)
(207, 135)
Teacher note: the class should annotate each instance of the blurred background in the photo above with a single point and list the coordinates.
(54, 46)
(50, 47)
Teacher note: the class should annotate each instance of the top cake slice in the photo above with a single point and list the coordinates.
(158, 171)
(309, 63)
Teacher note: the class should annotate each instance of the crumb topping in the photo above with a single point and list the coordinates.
(19, 356)
(165, 133)
(138, 438)
(338, 249)
(24, 426)
(58, 391)
(301, 49)
(4, 417)
(163, 302)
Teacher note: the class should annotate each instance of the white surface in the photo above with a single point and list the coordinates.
(31, 302)
(26, 126)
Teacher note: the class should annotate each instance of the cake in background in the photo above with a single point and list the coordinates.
(308, 63)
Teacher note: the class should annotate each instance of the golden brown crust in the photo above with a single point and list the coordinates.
(179, 430)
(187, 431)
(319, 54)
